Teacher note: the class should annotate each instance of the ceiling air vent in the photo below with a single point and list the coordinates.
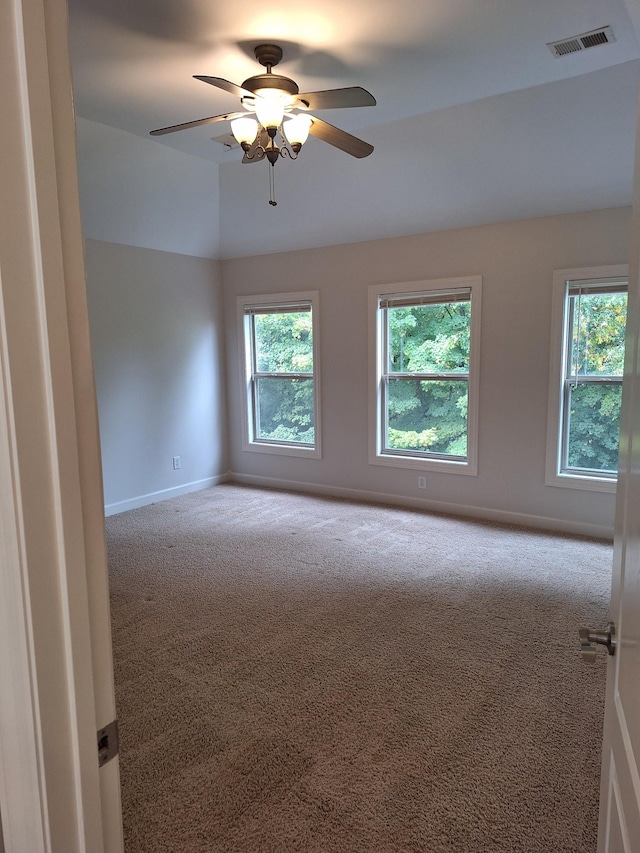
(604, 35)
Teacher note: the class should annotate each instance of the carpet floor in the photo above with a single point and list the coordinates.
(297, 674)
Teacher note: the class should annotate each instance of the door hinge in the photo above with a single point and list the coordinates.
(108, 743)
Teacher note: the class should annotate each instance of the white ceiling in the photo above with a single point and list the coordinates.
(133, 62)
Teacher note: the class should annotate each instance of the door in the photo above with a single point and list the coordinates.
(619, 828)
(55, 650)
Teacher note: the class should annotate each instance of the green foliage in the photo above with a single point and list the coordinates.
(428, 415)
(594, 423)
(430, 338)
(598, 334)
(399, 439)
(285, 406)
(597, 349)
(285, 409)
(284, 342)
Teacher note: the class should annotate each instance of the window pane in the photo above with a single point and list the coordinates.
(427, 416)
(594, 424)
(429, 338)
(597, 346)
(284, 410)
(284, 342)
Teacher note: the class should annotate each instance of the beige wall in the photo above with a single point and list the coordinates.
(516, 261)
(157, 341)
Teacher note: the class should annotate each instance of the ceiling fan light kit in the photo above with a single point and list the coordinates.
(283, 123)
(296, 130)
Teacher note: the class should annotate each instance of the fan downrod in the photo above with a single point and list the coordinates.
(269, 55)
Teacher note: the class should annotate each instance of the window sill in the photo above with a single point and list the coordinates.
(282, 449)
(443, 466)
(583, 482)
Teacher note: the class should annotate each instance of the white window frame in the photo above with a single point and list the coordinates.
(377, 370)
(554, 476)
(274, 301)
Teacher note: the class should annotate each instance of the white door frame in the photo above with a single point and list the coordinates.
(55, 650)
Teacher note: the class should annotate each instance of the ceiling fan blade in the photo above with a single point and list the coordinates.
(196, 123)
(332, 99)
(261, 141)
(238, 91)
(339, 138)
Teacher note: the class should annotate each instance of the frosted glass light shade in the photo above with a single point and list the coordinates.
(297, 129)
(244, 129)
(270, 108)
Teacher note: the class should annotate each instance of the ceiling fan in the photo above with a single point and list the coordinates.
(282, 114)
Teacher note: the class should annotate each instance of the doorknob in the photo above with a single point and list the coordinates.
(604, 638)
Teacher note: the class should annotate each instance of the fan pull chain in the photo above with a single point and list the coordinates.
(272, 186)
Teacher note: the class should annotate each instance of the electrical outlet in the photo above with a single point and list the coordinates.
(422, 482)
(176, 463)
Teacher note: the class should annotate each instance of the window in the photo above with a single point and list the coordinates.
(424, 395)
(590, 313)
(280, 375)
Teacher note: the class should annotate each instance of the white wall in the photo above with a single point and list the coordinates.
(516, 260)
(156, 328)
(140, 193)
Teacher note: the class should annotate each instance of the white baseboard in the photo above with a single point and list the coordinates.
(558, 525)
(164, 494)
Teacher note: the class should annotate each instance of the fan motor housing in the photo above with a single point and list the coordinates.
(271, 81)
